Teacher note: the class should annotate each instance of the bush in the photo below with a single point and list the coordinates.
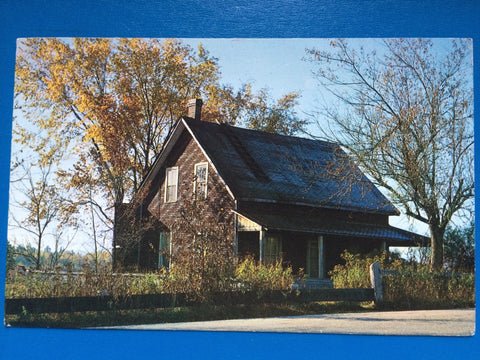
(203, 261)
(255, 276)
(355, 273)
(418, 287)
(414, 285)
(200, 284)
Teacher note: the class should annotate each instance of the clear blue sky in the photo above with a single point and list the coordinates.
(273, 63)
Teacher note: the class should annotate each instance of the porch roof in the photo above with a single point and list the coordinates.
(312, 224)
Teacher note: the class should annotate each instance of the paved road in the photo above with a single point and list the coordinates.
(430, 322)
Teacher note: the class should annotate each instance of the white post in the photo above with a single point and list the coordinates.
(235, 241)
(376, 280)
(384, 246)
(260, 243)
(321, 258)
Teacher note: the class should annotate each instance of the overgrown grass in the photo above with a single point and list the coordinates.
(255, 276)
(355, 273)
(48, 285)
(249, 275)
(420, 288)
(414, 286)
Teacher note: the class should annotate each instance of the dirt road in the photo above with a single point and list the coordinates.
(425, 322)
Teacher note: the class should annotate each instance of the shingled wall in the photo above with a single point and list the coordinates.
(185, 155)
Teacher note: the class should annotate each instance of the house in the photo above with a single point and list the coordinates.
(286, 197)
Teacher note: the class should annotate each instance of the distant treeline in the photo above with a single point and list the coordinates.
(62, 260)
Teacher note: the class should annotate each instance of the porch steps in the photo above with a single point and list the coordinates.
(313, 284)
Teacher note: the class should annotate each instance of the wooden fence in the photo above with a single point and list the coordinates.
(103, 303)
(107, 302)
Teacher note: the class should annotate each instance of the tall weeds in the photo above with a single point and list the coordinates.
(254, 276)
(248, 275)
(46, 285)
(413, 285)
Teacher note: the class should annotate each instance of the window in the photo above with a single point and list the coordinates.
(200, 185)
(171, 184)
(272, 250)
(164, 249)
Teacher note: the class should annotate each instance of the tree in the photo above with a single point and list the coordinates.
(202, 262)
(406, 118)
(115, 101)
(256, 111)
(111, 103)
(460, 248)
(11, 256)
(42, 204)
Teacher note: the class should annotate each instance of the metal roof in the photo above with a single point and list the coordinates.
(285, 169)
(314, 222)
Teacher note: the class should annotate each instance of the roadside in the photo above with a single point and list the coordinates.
(454, 322)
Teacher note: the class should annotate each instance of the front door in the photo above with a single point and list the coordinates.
(312, 258)
(315, 261)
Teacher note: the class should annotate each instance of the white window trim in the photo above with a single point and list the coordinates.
(195, 178)
(166, 184)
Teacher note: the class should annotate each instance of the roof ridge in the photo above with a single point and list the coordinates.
(263, 132)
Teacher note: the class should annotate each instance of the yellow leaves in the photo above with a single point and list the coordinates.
(117, 98)
(93, 133)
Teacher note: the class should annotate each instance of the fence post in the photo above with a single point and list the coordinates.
(376, 280)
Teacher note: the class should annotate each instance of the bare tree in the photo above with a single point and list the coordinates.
(59, 252)
(40, 202)
(202, 259)
(406, 118)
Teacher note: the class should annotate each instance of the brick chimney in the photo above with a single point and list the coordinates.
(194, 108)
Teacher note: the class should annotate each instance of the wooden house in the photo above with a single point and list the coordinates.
(287, 197)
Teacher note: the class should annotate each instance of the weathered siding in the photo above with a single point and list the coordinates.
(186, 154)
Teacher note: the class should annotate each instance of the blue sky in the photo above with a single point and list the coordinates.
(273, 63)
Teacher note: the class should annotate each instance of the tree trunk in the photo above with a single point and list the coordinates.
(39, 253)
(436, 237)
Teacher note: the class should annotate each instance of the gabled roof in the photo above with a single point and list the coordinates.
(264, 167)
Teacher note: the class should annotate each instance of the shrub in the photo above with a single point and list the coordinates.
(202, 263)
(200, 284)
(413, 285)
(417, 286)
(355, 273)
(255, 276)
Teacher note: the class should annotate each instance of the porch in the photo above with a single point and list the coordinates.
(311, 242)
(314, 255)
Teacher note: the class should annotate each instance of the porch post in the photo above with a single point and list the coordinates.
(235, 239)
(321, 258)
(384, 246)
(260, 243)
